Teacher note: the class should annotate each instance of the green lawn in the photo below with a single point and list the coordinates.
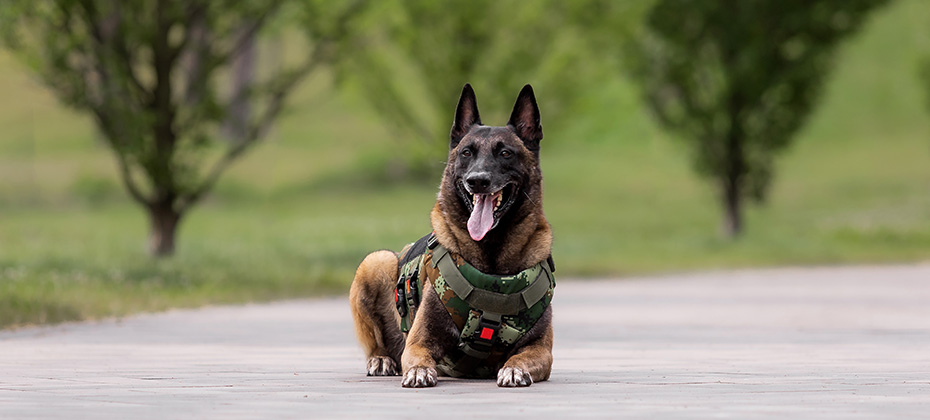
(291, 219)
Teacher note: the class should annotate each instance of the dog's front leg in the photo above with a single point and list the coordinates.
(419, 367)
(426, 342)
(532, 362)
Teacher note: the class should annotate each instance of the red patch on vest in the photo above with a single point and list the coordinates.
(487, 333)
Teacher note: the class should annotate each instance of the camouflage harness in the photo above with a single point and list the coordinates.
(492, 313)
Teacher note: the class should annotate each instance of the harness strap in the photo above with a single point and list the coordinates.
(407, 290)
(536, 291)
(487, 301)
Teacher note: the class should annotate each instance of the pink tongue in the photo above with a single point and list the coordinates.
(482, 216)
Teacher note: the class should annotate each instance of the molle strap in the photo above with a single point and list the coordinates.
(487, 301)
(535, 291)
(450, 273)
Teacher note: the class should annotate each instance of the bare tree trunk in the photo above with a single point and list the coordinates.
(164, 225)
(734, 169)
(732, 204)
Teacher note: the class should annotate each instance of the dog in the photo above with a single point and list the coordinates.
(471, 299)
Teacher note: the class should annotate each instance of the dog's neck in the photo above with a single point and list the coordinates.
(524, 244)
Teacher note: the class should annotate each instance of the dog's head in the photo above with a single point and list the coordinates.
(493, 172)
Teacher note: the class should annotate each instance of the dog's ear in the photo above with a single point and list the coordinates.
(525, 119)
(466, 115)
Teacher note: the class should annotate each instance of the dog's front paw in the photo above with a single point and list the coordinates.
(513, 376)
(382, 366)
(419, 377)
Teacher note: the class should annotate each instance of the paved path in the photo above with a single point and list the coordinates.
(805, 343)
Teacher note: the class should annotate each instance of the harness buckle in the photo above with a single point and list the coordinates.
(400, 297)
(487, 331)
(413, 291)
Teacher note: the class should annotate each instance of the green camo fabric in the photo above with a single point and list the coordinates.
(513, 327)
(409, 284)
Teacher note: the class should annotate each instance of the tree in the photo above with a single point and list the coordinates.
(151, 73)
(737, 79)
(421, 52)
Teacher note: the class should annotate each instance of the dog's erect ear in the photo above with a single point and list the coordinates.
(525, 119)
(466, 115)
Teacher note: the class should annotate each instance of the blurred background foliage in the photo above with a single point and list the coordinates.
(738, 79)
(440, 46)
(352, 162)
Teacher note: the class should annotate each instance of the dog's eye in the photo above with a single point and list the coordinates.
(506, 154)
(466, 153)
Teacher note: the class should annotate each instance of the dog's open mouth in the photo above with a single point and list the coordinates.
(486, 210)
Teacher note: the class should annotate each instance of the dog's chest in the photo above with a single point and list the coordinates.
(491, 313)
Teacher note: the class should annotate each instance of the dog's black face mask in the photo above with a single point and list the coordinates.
(492, 168)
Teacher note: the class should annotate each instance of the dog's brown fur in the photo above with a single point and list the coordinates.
(521, 239)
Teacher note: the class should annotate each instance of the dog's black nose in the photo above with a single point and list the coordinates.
(478, 182)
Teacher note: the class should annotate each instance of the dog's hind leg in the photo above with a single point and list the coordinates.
(377, 323)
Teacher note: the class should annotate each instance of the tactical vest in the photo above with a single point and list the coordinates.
(491, 312)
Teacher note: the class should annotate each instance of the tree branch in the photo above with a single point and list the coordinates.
(256, 132)
(128, 182)
(195, 10)
(110, 132)
(112, 40)
(249, 33)
(283, 85)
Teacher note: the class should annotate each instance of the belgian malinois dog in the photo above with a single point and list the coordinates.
(488, 215)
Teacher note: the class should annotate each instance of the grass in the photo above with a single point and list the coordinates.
(291, 220)
(73, 263)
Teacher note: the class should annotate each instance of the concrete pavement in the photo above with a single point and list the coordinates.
(808, 342)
